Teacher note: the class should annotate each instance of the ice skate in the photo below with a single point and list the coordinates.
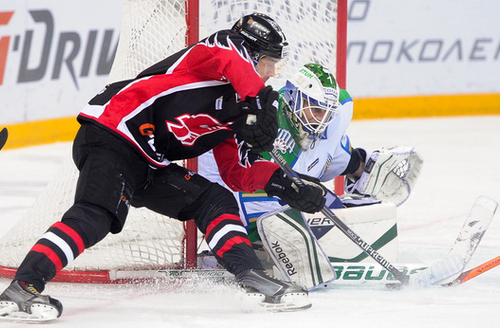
(24, 303)
(272, 294)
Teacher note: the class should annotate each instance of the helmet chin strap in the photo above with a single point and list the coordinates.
(256, 57)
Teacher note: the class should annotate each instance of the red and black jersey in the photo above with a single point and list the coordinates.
(185, 104)
(240, 169)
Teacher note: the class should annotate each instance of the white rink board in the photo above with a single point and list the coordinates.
(69, 48)
(396, 48)
(407, 47)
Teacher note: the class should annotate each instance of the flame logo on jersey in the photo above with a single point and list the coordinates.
(191, 127)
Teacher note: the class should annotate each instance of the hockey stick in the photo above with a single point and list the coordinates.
(431, 275)
(474, 272)
(3, 137)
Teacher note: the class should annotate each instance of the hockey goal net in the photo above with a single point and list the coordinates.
(151, 30)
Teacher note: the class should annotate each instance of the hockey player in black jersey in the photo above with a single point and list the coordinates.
(210, 94)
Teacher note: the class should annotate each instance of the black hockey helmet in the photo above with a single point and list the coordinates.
(263, 35)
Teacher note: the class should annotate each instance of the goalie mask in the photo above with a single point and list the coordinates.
(312, 99)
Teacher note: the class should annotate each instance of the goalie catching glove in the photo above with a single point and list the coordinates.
(390, 174)
(261, 127)
(308, 198)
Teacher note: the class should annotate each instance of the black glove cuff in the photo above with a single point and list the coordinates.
(277, 183)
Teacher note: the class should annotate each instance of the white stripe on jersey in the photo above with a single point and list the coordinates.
(93, 110)
(174, 65)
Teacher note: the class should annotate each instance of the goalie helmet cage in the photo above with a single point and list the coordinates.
(150, 31)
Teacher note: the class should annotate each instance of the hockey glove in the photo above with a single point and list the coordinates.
(390, 174)
(309, 198)
(261, 127)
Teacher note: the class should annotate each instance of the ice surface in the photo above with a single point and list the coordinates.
(461, 163)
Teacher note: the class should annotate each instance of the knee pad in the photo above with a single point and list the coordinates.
(91, 222)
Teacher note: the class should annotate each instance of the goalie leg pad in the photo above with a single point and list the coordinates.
(294, 249)
(376, 223)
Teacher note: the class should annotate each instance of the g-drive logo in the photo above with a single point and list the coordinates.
(4, 43)
(44, 52)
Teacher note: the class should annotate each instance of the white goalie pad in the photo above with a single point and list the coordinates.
(305, 254)
(294, 249)
(390, 174)
(376, 224)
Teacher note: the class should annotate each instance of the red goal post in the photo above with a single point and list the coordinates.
(192, 35)
(152, 30)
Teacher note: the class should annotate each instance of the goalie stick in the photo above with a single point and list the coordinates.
(3, 137)
(453, 264)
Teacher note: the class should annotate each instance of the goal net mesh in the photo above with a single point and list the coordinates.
(152, 30)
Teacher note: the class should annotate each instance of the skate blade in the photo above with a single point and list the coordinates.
(291, 302)
(9, 311)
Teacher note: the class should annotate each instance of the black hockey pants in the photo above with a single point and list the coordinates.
(114, 176)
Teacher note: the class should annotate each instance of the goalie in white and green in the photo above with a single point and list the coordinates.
(313, 116)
